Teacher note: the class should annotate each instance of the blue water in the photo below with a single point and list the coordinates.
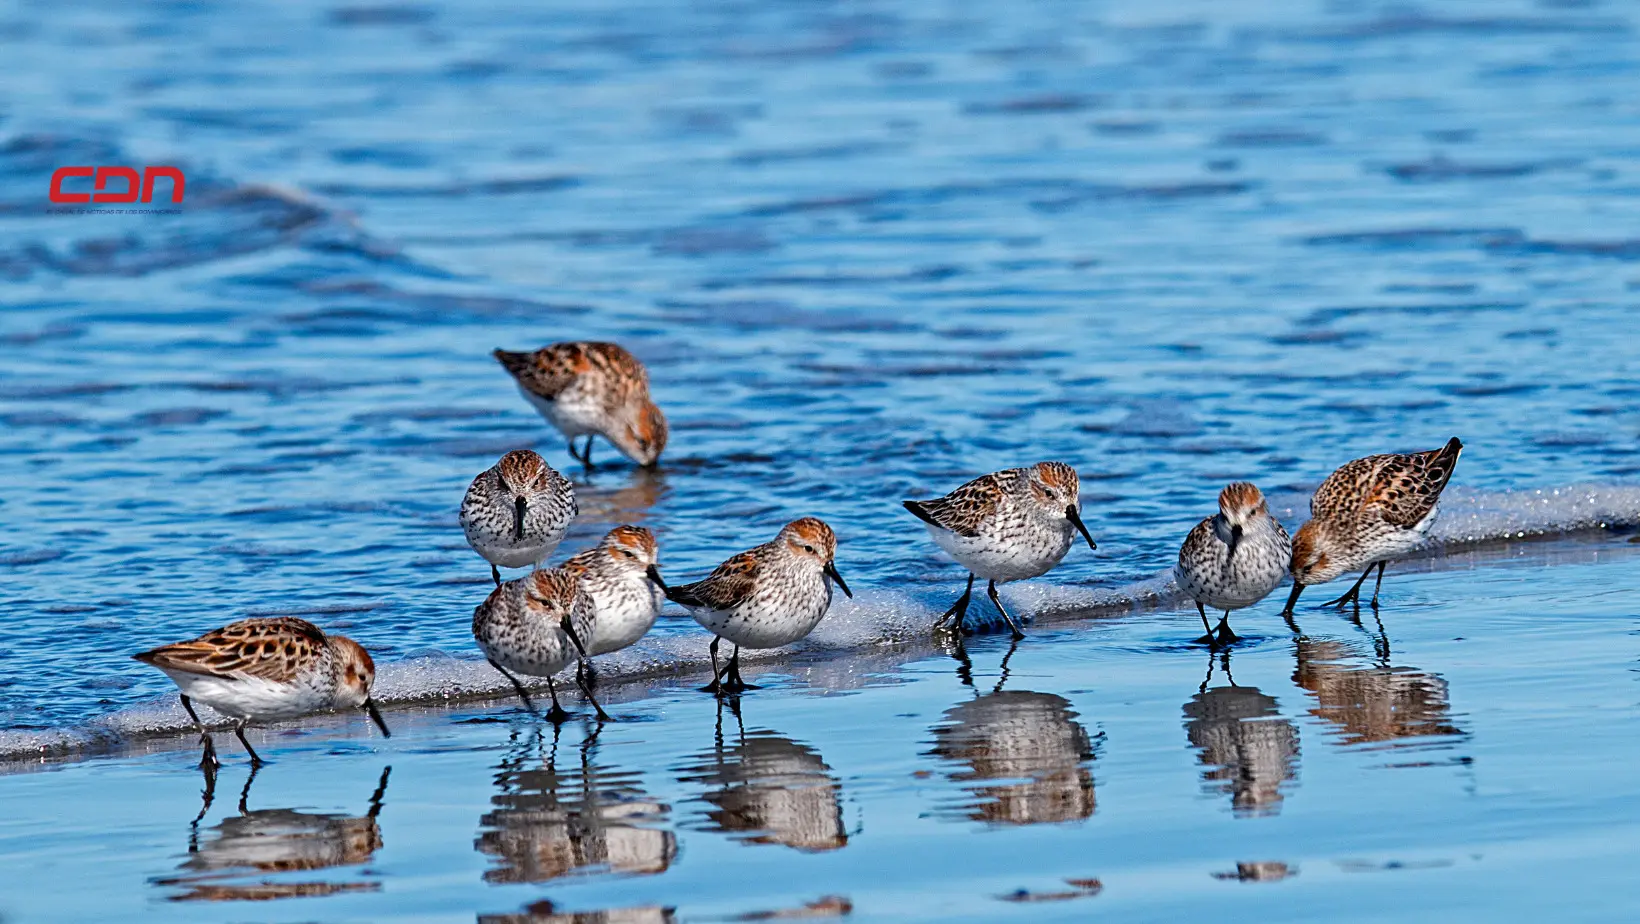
(867, 250)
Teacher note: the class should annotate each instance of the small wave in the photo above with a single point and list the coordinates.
(877, 623)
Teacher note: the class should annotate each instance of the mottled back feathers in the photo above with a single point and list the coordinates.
(268, 649)
(727, 586)
(550, 370)
(1400, 488)
(963, 510)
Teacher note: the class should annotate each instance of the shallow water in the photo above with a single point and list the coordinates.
(867, 250)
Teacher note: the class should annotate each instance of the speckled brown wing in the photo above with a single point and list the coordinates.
(1402, 487)
(1342, 494)
(550, 370)
(547, 371)
(1406, 487)
(963, 510)
(271, 649)
(725, 588)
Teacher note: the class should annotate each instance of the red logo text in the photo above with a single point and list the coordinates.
(108, 180)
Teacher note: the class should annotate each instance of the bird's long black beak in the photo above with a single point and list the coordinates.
(655, 575)
(520, 505)
(1235, 540)
(375, 716)
(1292, 599)
(569, 630)
(831, 572)
(1076, 521)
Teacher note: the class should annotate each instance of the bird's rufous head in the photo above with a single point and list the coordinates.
(810, 538)
(1241, 502)
(643, 436)
(356, 672)
(523, 471)
(1311, 562)
(1058, 492)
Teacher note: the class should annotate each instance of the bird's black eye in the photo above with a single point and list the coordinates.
(628, 554)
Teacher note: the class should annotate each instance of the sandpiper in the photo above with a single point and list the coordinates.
(622, 579)
(536, 626)
(1006, 526)
(517, 511)
(592, 389)
(1366, 513)
(267, 670)
(766, 597)
(1233, 560)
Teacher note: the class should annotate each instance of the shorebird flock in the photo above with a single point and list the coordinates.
(1004, 526)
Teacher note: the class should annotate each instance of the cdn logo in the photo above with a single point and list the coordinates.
(134, 184)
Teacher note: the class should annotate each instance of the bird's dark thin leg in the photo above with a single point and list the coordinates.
(991, 591)
(1209, 638)
(256, 759)
(1353, 595)
(732, 682)
(716, 686)
(586, 455)
(1380, 585)
(208, 759)
(735, 683)
(523, 694)
(1225, 635)
(587, 691)
(557, 713)
(495, 575)
(958, 609)
(586, 674)
(572, 453)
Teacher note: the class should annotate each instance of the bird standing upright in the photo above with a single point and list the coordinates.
(1233, 560)
(1006, 526)
(536, 626)
(517, 511)
(621, 579)
(766, 597)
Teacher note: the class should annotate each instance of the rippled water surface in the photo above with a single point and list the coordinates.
(867, 250)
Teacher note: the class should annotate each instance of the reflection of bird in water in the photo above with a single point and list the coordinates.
(1250, 751)
(277, 841)
(544, 912)
(1029, 743)
(1371, 702)
(768, 789)
(549, 823)
(620, 500)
